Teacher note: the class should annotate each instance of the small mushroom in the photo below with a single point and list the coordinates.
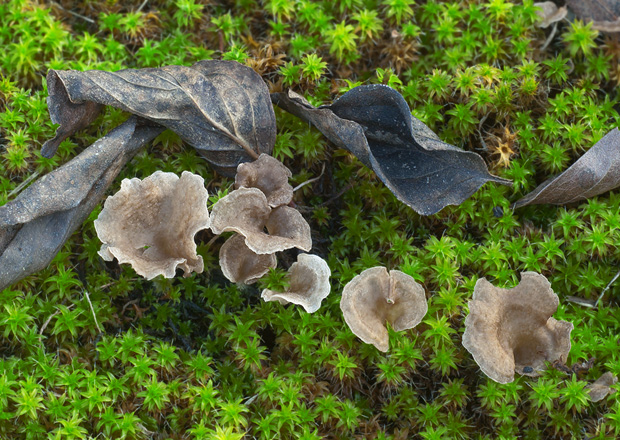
(309, 283)
(270, 176)
(240, 265)
(376, 296)
(602, 387)
(151, 224)
(510, 330)
(549, 13)
(247, 212)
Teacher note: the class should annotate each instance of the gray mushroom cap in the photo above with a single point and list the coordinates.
(270, 176)
(240, 265)
(510, 330)
(309, 283)
(376, 296)
(247, 212)
(151, 224)
(549, 13)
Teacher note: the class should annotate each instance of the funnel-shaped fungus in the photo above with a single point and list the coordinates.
(247, 212)
(376, 296)
(240, 265)
(270, 176)
(151, 224)
(510, 330)
(309, 284)
(602, 387)
(549, 13)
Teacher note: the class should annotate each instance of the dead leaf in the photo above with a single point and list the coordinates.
(221, 108)
(35, 225)
(596, 172)
(604, 14)
(375, 124)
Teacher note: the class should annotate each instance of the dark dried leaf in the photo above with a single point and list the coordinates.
(595, 172)
(221, 108)
(604, 14)
(374, 123)
(35, 225)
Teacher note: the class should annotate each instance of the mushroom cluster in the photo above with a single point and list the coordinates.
(510, 330)
(151, 224)
(377, 296)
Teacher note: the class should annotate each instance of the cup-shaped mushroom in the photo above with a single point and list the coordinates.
(240, 265)
(270, 176)
(151, 224)
(308, 283)
(247, 212)
(549, 13)
(602, 387)
(510, 330)
(377, 296)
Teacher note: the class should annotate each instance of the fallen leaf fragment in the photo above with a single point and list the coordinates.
(150, 224)
(594, 173)
(375, 124)
(604, 14)
(35, 225)
(309, 283)
(510, 330)
(601, 388)
(221, 108)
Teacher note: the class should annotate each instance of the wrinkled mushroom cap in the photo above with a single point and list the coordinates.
(549, 13)
(510, 330)
(376, 296)
(602, 387)
(309, 284)
(151, 224)
(240, 265)
(270, 176)
(247, 212)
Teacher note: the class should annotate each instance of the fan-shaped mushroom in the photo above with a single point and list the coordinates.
(270, 176)
(599, 389)
(376, 296)
(240, 265)
(549, 13)
(151, 224)
(247, 212)
(309, 283)
(510, 330)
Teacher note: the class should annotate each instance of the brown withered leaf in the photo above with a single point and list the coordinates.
(221, 108)
(35, 225)
(604, 14)
(375, 124)
(594, 173)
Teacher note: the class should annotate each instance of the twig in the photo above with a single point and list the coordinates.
(23, 184)
(47, 321)
(326, 202)
(92, 309)
(314, 179)
(142, 5)
(606, 288)
(90, 20)
(550, 37)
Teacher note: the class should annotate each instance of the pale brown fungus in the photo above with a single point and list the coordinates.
(309, 283)
(377, 296)
(602, 387)
(240, 265)
(151, 224)
(270, 176)
(549, 13)
(510, 330)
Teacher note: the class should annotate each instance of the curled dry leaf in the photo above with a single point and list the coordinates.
(151, 224)
(309, 283)
(602, 387)
(240, 265)
(549, 13)
(376, 296)
(596, 172)
(246, 211)
(221, 108)
(510, 330)
(35, 225)
(270, 176)
(375, 124)
(604, 14)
